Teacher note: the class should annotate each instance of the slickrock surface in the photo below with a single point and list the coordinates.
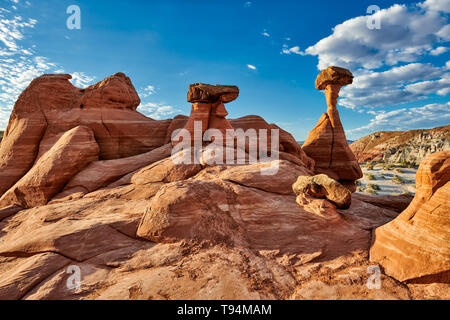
(99, 174)
(288, 146)
(327, 143)
(73, 151)
(399, 146)
(416, 245)
(139, 225)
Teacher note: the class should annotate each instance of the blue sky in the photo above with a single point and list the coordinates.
(272, 50)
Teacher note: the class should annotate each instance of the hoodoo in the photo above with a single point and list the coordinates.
(327, 143)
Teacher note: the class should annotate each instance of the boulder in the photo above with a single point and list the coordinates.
(333, 75)
(194, 210)
(199, 92)
(323, 187)
(73, 151)
(416, 245)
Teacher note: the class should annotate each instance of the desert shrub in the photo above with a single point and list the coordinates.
(371, 177)
(371, 191)
(383, 177)
(398, 170)
(358, 183)
(370, 167)
(388, 167)
(359, 189)
(398, 180)
(374, 186)
(404, 164)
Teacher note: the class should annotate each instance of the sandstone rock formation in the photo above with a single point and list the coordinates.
(71, 153)
(327, 143)
(208, 109)
(416, 245)
(321, 195)
(140, 225)
(401, 146)
(127, 140)
(51, 105)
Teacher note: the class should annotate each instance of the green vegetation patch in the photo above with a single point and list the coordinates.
(373, 186)
(398, 180)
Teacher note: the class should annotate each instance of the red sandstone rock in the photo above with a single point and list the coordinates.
(206, 93)
(321, 186)
(116, 91)
(99, 174)
(208, 109)
(416, 245)
(26, 274)
(233, 232)
(327, 143)
(51, 105)
(288, 145)
(73, 151)
(194, 210)
(333, 76)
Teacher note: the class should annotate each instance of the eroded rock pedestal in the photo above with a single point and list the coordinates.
(327, 143)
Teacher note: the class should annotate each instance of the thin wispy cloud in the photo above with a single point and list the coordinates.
(157, 111)
(20, 64)
(147, 91)
(265, 34)
(251, 67)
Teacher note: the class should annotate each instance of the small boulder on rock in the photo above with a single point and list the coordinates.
(323, 187)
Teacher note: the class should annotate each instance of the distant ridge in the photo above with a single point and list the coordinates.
(399, 146)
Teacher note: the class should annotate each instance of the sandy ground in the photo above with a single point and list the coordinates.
(383, 179)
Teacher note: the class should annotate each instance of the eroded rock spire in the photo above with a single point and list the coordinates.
(327, 143)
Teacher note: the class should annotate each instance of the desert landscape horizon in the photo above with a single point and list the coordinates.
(316, 172)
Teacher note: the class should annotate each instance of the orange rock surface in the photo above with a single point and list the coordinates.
(327, 143)
(71, 153)
(416, 245)
(140, 225)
